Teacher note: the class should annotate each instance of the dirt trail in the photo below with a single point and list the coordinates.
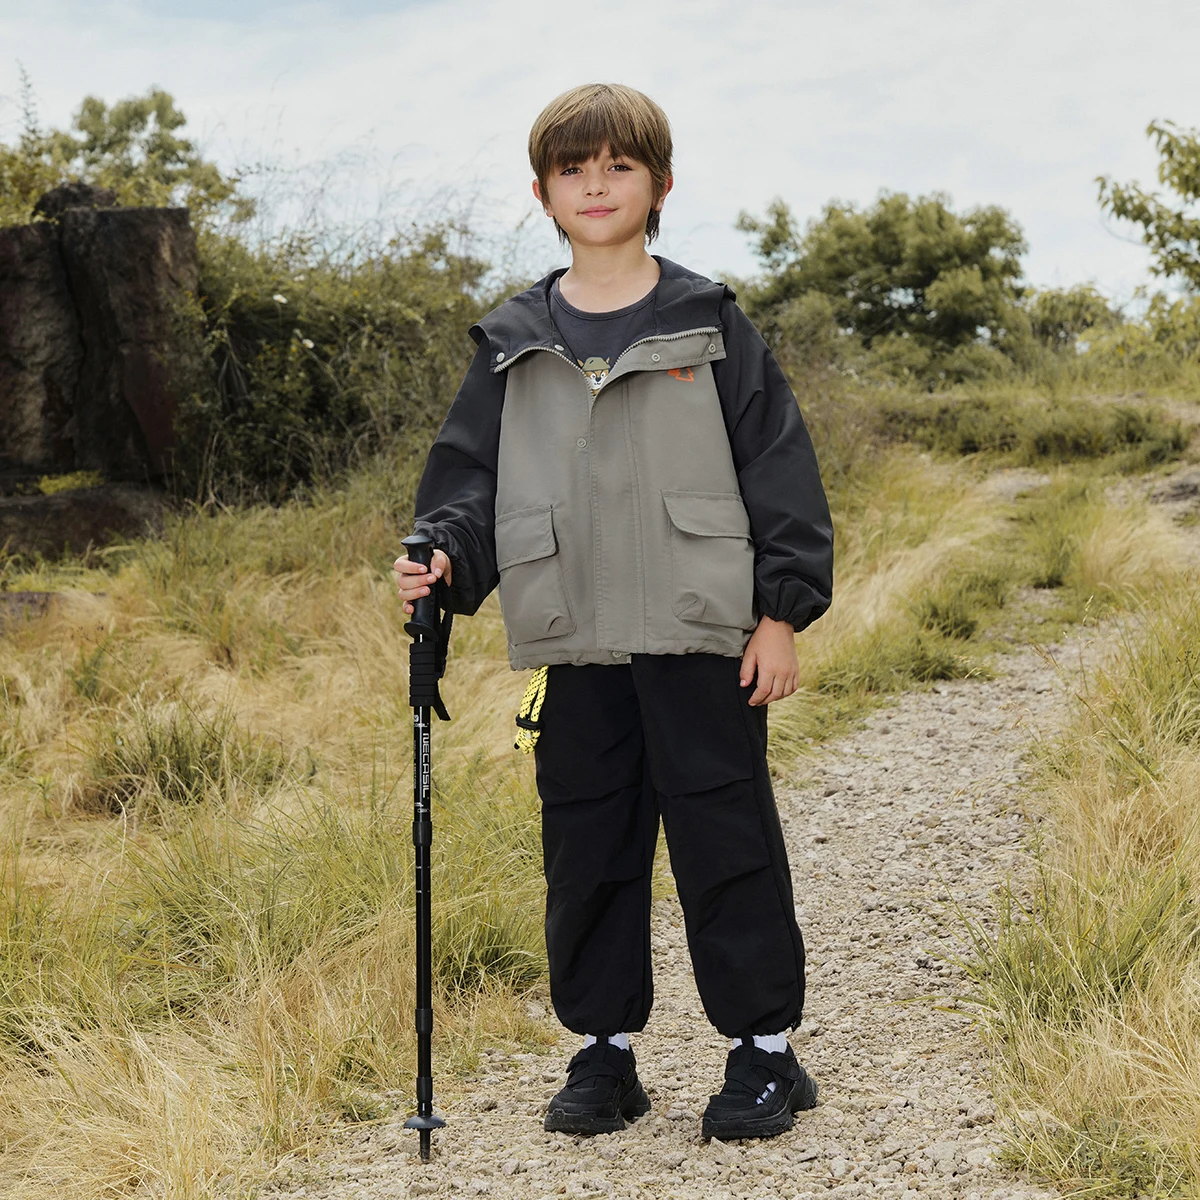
(921, 806)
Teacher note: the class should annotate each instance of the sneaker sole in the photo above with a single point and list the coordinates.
(803, 1097)
(559, 1120)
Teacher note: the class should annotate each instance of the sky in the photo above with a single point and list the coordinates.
(401, 109)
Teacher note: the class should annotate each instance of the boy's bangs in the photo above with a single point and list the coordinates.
(585, 134)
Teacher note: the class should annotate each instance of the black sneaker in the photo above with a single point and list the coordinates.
(747, 1107)
(602, 1092)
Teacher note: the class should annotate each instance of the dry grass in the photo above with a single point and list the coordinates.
(205, 918)
(1091, 990)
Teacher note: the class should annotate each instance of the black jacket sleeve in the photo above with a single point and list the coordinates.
(456, 498)
(778, 476)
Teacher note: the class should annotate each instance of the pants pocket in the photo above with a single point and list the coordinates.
(712, 558)
(533, 594)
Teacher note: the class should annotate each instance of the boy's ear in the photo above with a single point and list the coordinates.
(659, 202)
(537, 192)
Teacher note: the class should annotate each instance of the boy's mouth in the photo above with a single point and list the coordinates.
(597, 212)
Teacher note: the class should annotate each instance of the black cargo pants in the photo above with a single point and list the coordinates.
(669, 733)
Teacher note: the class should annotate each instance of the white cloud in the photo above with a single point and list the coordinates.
(1020, 104)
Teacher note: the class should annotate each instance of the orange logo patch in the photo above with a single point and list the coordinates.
(683, 374)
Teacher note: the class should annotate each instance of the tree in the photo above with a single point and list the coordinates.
(1171, 225)
(135, 147)
(904, 268)
(1058, 317)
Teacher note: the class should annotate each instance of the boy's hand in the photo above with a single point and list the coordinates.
(771, 652)
(413, 581)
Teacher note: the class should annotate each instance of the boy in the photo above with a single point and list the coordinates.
(626, 460)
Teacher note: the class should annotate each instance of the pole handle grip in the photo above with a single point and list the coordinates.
(419, 547)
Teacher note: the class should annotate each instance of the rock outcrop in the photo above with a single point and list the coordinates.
(89, 296)
(71, 521)
(88, 299)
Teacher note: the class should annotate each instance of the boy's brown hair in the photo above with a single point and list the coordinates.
(578, 124)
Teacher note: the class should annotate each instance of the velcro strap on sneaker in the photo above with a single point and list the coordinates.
(749, 1069)
(596, 1060)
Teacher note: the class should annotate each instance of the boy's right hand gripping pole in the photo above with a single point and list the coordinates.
(426, 663)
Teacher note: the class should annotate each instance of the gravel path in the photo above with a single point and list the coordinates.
(921, 806)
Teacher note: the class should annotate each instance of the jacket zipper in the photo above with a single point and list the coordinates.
(657, 337)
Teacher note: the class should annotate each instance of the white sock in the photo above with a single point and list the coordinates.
(771, 1042)
(775, 1043)
(620, 1040)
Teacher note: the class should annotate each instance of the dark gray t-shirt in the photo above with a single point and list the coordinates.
(597, 340)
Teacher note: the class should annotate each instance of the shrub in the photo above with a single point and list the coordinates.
(304, 362)
(1029, 433)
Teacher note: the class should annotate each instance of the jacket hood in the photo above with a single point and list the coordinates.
(684, 300)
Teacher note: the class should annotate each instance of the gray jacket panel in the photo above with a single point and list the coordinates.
(619, 525)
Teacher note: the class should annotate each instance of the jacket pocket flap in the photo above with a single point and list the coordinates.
(523, 536)
(708, 514)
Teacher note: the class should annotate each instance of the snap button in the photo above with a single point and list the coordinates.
(712, 347)
(581, 443)
(655, 357)
(500, 356)
(557, 346)
(617, 653)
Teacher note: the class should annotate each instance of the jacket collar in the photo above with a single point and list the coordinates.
(683, 301)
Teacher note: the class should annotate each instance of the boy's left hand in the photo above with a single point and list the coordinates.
(771, 652)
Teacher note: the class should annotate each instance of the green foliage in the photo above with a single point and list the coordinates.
(1175, 325)
(303, 361)
(149, 761)
(954, 606)
(1031, 432)
(134, 147)
(890, 660)
(908, 278)
(1059, 317)
(1171, 225)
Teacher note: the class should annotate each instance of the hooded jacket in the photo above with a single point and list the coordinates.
(663, 515)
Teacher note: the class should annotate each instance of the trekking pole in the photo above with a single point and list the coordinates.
(426, 662)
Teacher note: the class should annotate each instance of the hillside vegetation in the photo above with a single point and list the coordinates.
(206, 907)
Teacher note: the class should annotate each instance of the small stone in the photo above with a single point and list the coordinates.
(511, 1166)
(485, 1103)
(838, 1168)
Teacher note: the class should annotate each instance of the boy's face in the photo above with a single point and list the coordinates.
(601, 202)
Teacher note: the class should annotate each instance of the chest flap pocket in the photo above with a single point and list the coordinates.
(533, 594)
(712, 558)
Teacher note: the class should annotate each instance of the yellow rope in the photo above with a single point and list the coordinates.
(531, 709)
